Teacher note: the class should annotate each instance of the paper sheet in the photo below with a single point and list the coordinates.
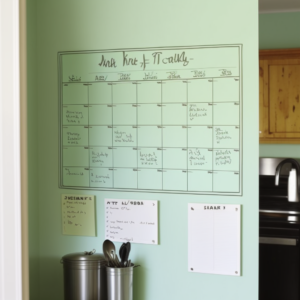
(132, 221)
(78, 215)
(214, 238)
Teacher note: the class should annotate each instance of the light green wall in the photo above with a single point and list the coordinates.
(88, 25)
(279, 31)
(283, 150)
(32, 115)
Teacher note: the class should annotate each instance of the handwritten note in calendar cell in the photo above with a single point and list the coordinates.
(214, 238)
(78, 215)
(132, 221)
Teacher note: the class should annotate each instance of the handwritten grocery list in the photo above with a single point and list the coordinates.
(78, 215)
(132, 221)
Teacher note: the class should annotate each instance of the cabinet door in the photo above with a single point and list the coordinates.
(280, 97)
(263, 103)
(284, 90)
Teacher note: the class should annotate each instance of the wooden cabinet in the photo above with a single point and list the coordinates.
(279, 96)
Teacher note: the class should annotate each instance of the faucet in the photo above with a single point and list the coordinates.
(296, 165)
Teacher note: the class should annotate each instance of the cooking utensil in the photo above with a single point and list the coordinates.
(110, 260)
(109, 247)
(116, 258)
(109, 251)
(123, 253)
(128, 248)
(105, 251)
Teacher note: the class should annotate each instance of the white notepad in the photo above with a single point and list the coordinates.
(214, 238)
(129, 220)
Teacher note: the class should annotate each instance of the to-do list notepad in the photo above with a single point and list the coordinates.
(214, 238)
(78, 215)
(132, 221)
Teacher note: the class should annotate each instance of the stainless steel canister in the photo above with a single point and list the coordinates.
(119, 283)
(85, 276)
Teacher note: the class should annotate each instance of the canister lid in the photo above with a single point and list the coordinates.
(84, 256)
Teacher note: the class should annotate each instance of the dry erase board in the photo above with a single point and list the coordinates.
(214, 238)
(131, 220)
(156, 120)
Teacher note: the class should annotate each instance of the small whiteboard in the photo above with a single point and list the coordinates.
(132, 221)
(214, 238)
